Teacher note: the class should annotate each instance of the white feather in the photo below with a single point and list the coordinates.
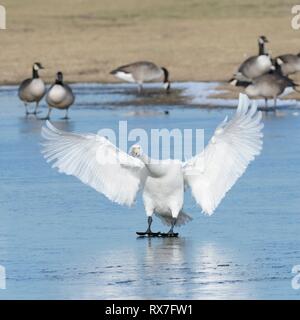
(231, 149)
(95, 161)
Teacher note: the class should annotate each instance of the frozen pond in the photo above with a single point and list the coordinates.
(62, 240)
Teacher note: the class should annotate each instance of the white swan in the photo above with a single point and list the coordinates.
(119, 176)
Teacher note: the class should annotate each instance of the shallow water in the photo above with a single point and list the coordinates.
(62, 240)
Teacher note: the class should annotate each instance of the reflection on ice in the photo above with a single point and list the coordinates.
(168, 268)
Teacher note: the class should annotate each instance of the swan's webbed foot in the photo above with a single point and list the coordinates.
(169, 235)
(148, 234)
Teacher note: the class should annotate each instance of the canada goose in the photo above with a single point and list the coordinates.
(32, 89)
(59, 96)
(97, 162)
(268, 86)
(288, 63)
(142, 71)
(255, 66)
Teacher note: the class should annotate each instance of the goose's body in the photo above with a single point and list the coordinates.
(119, 176)
(60, 95)
(289, 63)
(32, 89)
(268, 86)
(255, 66)
(142, 71)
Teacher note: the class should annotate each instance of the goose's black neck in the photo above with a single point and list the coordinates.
(261, 48)
(60, 82)
(35, 73)
(59, 78)
(166, 74)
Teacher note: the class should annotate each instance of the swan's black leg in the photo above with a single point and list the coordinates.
(149, 232)
(171, 232)
(149, 225)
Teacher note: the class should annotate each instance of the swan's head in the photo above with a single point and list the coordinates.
(136, 150)
(263, 39)
(37, 66)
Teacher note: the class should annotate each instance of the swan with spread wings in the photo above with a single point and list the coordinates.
(119, 176)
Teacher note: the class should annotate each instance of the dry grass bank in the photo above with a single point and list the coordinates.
(196, 39)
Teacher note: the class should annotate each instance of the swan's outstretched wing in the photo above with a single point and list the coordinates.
(95, 161)
(234, 145)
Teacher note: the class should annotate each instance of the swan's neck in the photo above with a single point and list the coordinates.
(155, 168)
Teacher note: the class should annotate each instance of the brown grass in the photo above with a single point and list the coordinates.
(197, 40)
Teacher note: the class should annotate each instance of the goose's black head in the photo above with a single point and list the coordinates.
(276, 66)
(261, 45)
(35, 68)
(263, 39)
(59, 78)
(238, 83)
(167, 83)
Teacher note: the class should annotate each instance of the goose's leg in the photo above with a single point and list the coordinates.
(36, 107)
(266, 103)
(48, 114)
(26, 109)
(140, 88)
(66, 117)
(275, 104)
